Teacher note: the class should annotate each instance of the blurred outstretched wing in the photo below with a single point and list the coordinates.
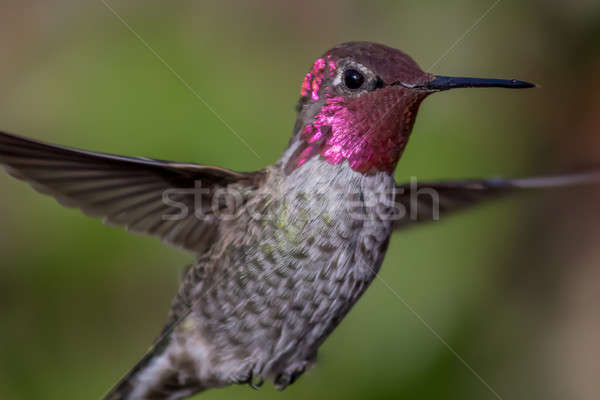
(429, 201)
(146, 196)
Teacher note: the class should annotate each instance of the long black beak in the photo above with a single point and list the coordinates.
(440, 83)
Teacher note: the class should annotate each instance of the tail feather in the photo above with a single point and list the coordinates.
(158, 375)
(127, 385)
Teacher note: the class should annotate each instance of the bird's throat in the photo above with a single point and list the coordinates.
(370, 140)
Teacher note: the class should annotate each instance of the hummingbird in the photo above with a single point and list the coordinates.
(281, 254)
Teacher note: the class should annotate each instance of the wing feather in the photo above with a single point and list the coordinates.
(428, 201)
(125, 191)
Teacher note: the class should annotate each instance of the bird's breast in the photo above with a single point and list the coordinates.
(294, 270)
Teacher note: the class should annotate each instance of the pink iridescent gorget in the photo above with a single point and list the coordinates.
(367, 134)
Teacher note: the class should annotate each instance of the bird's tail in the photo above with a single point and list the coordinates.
(154, 376)
(125, 388)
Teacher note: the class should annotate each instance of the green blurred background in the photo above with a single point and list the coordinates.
(513, 287)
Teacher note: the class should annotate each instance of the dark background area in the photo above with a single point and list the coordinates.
(513, 288)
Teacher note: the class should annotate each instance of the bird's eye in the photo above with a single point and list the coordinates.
(353, 79)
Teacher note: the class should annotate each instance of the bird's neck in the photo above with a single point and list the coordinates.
(371, 139)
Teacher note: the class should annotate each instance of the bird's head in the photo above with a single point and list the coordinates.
(359, 102)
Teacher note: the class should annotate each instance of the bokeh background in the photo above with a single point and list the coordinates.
(513, 287)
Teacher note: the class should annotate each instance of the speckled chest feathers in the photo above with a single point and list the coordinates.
(268, 295)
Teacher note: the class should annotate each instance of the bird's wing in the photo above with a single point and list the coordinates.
(173, 201)
(430, 201)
